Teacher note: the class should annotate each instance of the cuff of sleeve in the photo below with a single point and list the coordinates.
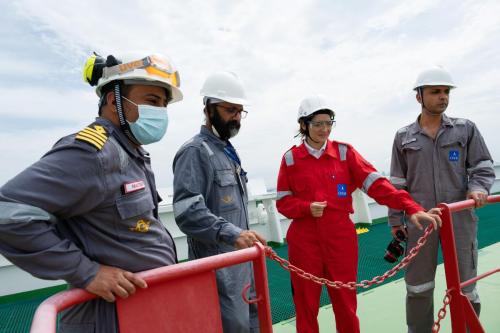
(477, 188)
(415, 208)
(306, 208)
(85, 273)
(229, 233)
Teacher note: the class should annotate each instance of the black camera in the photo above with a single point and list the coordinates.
(395, 249)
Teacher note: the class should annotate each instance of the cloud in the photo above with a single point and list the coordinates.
(48, 104)
(393, 17)
(363, 55)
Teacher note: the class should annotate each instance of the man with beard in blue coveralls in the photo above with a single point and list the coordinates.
(210, 197)
(87, 211)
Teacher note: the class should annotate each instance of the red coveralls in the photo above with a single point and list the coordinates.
(327, 246)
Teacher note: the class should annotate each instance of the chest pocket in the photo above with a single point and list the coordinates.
(134, 205)
(137, 227)
(411, 148)
(412, 151)
(226, 188)
(458, 142)
(340, 183)
(301, 182)
(453, 151)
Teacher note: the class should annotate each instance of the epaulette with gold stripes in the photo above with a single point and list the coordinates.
(94, 135)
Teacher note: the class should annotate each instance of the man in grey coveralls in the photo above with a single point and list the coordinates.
(210, 197)
(87, 211)
(439, 159)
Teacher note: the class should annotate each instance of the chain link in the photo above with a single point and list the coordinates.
(442, 312)
(352, 285)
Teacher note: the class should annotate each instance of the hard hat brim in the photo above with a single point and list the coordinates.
(434, 84)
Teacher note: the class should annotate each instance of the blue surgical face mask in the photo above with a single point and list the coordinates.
(151, 125)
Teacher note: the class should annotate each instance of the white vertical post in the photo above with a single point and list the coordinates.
(274, 224)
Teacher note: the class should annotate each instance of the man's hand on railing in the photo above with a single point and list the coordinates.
(247, 238)
(432, 216)
(480, 198)
(112, 281)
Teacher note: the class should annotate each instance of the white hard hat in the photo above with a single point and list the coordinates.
(153, 69)
(434, 76)
(311, 104)
(224, 86)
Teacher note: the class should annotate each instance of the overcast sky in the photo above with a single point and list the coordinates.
(363, 55)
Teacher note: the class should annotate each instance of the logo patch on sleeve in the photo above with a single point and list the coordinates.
(342, 190)
(133, 186)
(453, 155)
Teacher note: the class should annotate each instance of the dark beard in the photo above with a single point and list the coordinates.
(226, 130)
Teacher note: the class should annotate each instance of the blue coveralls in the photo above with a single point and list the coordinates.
(210, 207)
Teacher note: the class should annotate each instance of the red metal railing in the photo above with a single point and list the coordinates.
(177, 277)
(462, 314)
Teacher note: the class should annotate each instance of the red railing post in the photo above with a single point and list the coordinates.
(451, 268)
(462, 313)
(262, 291)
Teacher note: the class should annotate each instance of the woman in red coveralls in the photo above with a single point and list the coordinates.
(315, 183)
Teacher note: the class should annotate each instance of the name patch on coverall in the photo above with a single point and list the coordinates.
(133, 187)
(342, 190)
(453, 155)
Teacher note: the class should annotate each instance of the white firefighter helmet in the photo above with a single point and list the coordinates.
(152, 69)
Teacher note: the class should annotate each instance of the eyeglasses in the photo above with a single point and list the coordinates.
(233, 111)
(320, 124)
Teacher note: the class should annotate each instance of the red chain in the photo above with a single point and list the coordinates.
(351, 285)
(442, 312)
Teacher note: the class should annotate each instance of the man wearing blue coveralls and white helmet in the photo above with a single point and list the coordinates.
(210, 196)
(87, 211)
(439, 159)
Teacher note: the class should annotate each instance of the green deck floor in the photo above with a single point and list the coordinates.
(16, 311)
(371, 263)
(383, 309)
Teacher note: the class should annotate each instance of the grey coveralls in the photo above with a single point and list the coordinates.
(210, 207)
(90, 200)
(457, 161)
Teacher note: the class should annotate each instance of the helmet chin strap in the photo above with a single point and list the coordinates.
(215, 131)
(420, 91)
(121, 116)
(216, 121)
